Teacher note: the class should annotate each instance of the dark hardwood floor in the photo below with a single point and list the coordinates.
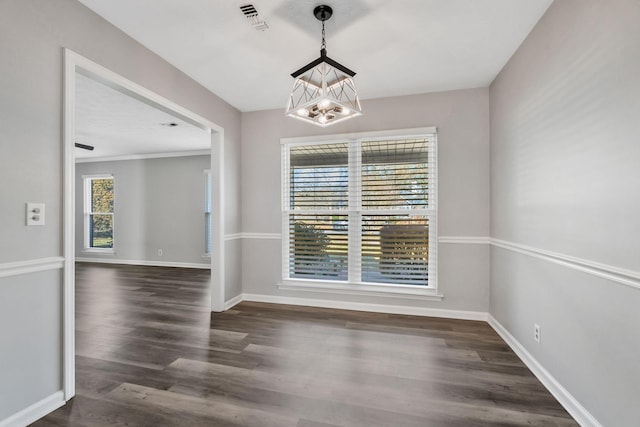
(149, 353)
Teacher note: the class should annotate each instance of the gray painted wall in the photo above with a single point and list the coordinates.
(159, 204)
(32, 36)
(564, 158)
(30, 339)
(462, 119)
(564, 178)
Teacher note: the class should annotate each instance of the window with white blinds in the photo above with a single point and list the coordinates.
(208, 214)
(361, 211)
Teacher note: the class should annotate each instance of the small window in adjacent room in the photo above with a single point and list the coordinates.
(208, 244)
(361, 213)
(98, 213)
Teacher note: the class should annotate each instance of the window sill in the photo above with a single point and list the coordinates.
(393, 291)
(99, 251)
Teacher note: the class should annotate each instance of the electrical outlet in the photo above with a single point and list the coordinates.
(159, 252)
(536, 332)
(35, 214)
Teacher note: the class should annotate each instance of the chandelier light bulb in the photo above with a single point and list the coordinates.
(324, 103)
(322, 119)
(303, 112)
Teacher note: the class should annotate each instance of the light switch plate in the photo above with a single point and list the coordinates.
(35, 214)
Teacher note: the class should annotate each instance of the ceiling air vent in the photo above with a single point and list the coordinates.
(251, 13)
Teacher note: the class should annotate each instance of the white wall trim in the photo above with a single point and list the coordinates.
(363, 289)
(17, 268)
(233, 301)
(609, 272)
(71, 59)
(144, 156)
(144, 262)
(406, 133)
(263, 236)
(234, 236)
(577, 411)
(98, 251)
(35, 411)
(378, 308)
(465, 240)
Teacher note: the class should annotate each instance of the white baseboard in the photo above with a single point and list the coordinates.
(358, 306)
(142, 262)
(35, 411)
(577, 411)
(233, 301)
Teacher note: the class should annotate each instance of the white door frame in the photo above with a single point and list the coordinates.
(75, 63)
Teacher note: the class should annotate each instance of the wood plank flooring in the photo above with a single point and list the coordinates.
(149, 353)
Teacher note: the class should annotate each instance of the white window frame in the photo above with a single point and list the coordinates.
(354, 285)
(87, 213)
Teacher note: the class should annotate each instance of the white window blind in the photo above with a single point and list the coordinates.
(361, 211)
(317, 223)
(208, 212)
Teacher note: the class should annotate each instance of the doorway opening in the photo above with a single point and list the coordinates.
(80, 69)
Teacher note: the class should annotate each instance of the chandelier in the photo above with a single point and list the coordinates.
(323, 91)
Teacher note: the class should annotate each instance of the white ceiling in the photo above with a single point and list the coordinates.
(397, 48)
(118, 125)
